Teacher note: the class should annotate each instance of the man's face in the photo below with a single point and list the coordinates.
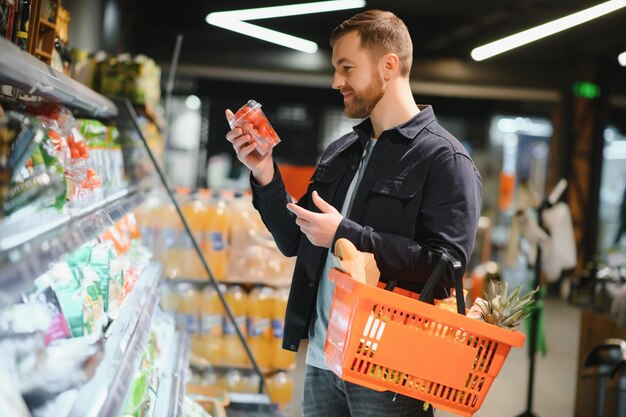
(356, 76)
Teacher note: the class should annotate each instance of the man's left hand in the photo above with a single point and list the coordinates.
(319, 228)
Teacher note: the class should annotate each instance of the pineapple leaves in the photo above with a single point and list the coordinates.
(506, 309)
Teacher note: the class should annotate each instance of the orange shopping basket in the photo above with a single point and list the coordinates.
(389, 342)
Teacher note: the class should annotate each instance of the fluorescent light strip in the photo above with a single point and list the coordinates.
(264, 34)
(290, 10)
(547, 29)
(235, 20)
(621, 58)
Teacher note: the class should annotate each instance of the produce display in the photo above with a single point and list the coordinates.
(53, 341)
(50, 159)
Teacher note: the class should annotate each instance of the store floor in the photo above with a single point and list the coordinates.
(555, 376)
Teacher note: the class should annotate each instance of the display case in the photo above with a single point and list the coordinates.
(84, 328)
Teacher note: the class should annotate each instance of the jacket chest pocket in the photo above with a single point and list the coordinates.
(323, 180)
(393, 206)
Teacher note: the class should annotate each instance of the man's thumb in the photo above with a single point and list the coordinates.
(321, 204)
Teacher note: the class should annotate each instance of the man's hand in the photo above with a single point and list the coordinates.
(319, 228)
(262, 166)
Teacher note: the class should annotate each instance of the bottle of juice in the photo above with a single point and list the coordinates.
(169, 240)
(234, 381)
(146, 220)
(195, 212)
(281, 358)
(185, 255)
(252, 380)
(238, 239)
(190, 300)
(216, 235)
(280, 390)
(234, 351)
(260, 306)
(211, 312)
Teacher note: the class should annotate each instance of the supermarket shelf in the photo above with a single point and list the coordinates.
(22, 70)
(201, 367)
(247, 405)
(172, 386)
(106, 393)
(201, 283)
(27, 250)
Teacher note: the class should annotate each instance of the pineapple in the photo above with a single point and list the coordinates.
(506, 309)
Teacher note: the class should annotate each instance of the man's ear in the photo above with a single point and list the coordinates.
(391, 65)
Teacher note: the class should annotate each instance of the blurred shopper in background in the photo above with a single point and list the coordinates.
(399, 186)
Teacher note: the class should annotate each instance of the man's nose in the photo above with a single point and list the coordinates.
(338, 81)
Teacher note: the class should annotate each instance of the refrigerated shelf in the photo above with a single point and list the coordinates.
(24, 71)
(172, 386)
(126, 338)
(27, 251)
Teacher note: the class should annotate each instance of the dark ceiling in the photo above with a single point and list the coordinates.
(444, 32)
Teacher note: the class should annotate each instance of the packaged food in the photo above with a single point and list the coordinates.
(251, 119)
(45, 295)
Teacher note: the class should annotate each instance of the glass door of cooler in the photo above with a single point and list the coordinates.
(85, 317)
(227, 284)
(252, 277)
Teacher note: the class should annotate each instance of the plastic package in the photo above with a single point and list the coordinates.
(251, 119)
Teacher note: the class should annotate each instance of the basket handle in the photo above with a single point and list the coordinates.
(446, 265)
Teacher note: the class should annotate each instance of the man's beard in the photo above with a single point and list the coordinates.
(363, 103)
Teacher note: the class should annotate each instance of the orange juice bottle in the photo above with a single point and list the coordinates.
(211, 312)
(234, 381)
(186, 255)
(251, 382)
(281, 358)
(196, 213)
(216, 236)
(234, 352)
(260, 305)
(190, 300)
(280, 389)
(146, 222)
(169, 240)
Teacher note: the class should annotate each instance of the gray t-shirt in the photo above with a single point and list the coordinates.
(317, 331)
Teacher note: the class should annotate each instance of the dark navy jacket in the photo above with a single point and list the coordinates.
(420, 195)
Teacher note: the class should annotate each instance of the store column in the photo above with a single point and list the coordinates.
(584, 115)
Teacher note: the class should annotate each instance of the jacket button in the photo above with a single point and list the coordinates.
(353, 167)
(292, 347)
(311, 284)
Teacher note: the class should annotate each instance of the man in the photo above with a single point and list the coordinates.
(399, 186)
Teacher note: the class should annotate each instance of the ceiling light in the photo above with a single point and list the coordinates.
(547, 29)
(235, 20)
(621, 58)
(291, 10)
(265, 34)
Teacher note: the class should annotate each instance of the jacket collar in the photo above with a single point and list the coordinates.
(409, 129)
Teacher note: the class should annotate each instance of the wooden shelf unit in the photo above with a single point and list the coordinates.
(42, 31)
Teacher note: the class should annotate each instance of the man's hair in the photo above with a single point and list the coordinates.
(381, 32)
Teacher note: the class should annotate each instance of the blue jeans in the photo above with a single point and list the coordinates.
(326, 395)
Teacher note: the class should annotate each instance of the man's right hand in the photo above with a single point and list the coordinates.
(262, 166)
